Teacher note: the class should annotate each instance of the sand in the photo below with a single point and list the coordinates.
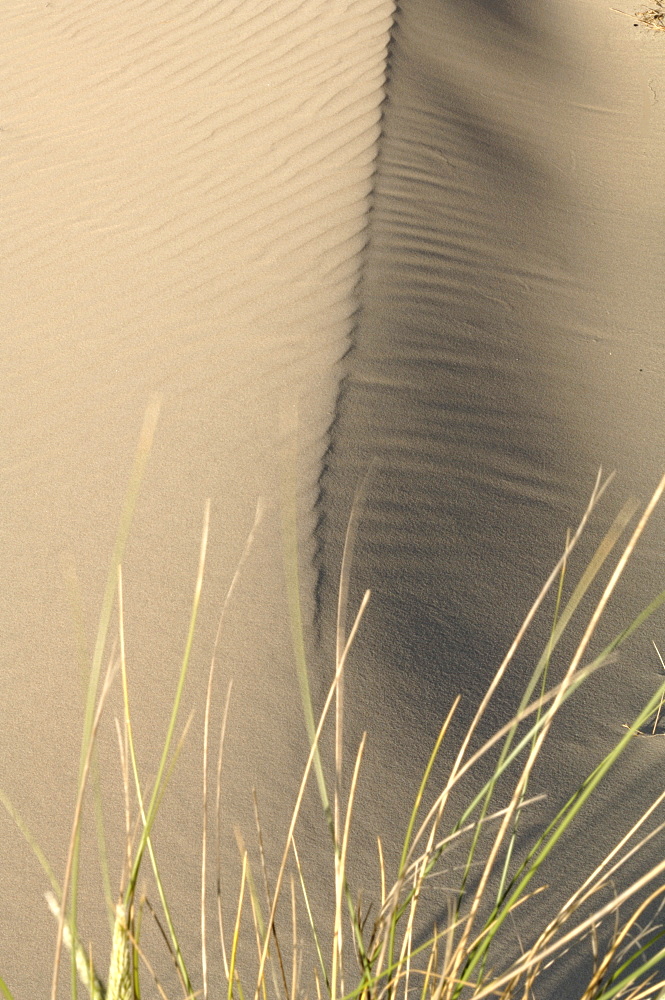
(185, 206)
(185, 203)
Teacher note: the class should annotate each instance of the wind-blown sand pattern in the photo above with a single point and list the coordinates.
(185, 190)
(184, 203)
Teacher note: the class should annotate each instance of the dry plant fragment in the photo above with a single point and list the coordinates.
(654, 17)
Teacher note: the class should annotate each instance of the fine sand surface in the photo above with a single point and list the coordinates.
(184, 203)
(185, 195)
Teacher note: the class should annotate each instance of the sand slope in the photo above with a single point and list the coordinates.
(184, 202)
(186, 190)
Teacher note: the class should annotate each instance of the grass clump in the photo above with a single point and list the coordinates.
(464, 958)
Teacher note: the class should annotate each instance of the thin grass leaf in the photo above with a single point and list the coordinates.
(289, 452)
(236, 929)
(69, 867)
(157, 790)
(260, 508)
(32, 842)
(407, 844)
(337, 967)
(591, 571)
(84, 967)
(294, 944)
(548, 839)
(268, 897)
(303, 782)
(310, 917)
(218, 838)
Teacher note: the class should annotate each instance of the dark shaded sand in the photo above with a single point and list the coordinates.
(184, 208)
(510, 342)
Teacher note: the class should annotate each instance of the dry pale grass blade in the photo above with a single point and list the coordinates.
(288, 429)
(266, 888)
(598, 490)
(260, 509)
(431, 965)
(388, 918)
(614, 579)
(382, 871)
(236, 932)
(218, 832)
(462, 951)
(337, 966)
(653, 17)
(110, 673)
(294, 943)
(604, 964)
(434, 813)
(430, 856)
(601, 875)
(460, 954)
(310, 918)
(640, 994)
(303, 783)
(259, 925)
(575, 933)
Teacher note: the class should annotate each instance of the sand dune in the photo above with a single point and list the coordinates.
(185, 207)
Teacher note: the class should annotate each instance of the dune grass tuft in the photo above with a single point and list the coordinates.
(263, 955)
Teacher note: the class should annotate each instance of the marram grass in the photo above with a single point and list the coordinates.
(262, 957)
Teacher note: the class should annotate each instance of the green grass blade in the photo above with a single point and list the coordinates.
(4, 989)
(31, 841)
(140, 461)
(549, 838)
(154, 800)
(289, 452)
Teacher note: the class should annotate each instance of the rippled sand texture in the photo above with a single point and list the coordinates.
(184, 199)
(511, 340)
